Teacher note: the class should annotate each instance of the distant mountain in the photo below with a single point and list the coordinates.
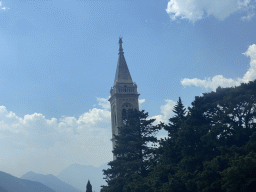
(78, 175)
(9, 183)
(3, 190)
(50, 181)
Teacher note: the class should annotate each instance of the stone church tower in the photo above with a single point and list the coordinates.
(123, 95)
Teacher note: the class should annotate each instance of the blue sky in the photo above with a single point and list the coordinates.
(58, 61)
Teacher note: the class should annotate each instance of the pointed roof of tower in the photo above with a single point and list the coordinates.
(122, 72)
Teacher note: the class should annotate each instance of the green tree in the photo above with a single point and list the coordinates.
(241, 174)
(134, 151)
(88, 187)
(219, 124)
(175, 122)
(209, 149)
(168, 154)
(218, 127)
(210, 144)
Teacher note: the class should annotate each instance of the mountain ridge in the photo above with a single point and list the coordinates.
(10, 183)
(51, 181)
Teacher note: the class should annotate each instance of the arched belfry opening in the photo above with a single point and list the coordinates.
(123, 94)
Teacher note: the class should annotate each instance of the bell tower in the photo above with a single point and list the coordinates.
(123, 95)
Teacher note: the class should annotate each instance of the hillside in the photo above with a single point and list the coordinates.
(9, 183)
(3, 190)
(50, 181)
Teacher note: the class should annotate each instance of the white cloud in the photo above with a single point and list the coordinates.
(104, 103)
(166, 112)
(251, 73)
(3, 8)
(248, 17)
(35, 143)
(141, 101)
(32, 142)
(209, 83)
(219, 80)
(95, 117)
(194, 10)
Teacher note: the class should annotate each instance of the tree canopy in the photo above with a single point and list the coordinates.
(210, 147)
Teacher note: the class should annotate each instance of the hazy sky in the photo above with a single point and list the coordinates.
(58, 60)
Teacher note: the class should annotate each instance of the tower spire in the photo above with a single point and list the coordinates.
(122, 72)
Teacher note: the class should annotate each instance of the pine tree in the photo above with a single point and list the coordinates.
(88, 187)
(175, 122)
(169, 153)
(134, 151)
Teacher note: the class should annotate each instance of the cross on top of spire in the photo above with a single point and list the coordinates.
(120, 45)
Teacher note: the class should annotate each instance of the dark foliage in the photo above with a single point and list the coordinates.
(134, 151)
(88, 186)
(211, 148)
